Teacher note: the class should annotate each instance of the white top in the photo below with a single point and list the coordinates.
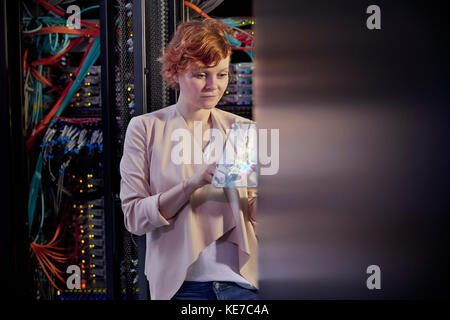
(217, 262)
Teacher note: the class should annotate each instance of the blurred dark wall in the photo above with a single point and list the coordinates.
(364, 161)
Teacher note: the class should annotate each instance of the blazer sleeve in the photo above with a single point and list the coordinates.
(139, 206)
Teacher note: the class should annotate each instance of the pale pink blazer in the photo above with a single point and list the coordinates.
(174, 244)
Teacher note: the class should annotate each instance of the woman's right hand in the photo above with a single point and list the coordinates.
(203, 176)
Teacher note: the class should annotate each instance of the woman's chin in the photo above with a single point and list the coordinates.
(208, 106)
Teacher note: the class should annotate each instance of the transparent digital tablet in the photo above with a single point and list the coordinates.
(238, 165)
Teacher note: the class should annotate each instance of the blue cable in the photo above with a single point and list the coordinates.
(36, 183)
(36, 186)
(89, 8)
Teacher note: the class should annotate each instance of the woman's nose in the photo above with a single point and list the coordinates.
(211, 83)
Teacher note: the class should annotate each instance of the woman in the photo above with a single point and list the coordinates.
(201, 241)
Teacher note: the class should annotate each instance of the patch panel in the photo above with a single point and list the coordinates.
(239, 92)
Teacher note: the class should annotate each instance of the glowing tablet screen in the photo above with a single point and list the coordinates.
(238, 166)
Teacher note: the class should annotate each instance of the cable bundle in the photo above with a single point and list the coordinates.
(69, 146)
(53, 39)
(50, 251)
(238, 38)
(65, 142)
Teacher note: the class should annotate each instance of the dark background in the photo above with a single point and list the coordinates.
(364, 126)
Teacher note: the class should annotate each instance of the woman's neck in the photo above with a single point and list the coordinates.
(191, 115)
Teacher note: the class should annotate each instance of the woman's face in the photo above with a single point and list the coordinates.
(202, 88)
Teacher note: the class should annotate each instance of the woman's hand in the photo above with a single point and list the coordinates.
(170, 201)
(202, 177)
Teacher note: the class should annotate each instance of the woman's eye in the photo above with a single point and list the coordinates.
(200, 75)
(223, 75)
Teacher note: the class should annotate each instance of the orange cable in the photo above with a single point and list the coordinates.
(56, 29)
(52, 8)
(203, 14)
(200, 11)
(53, 268)
(55, 58)
(43, 124)
(43, 79)
(45, 270)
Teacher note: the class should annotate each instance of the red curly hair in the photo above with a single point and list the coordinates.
(199, 43)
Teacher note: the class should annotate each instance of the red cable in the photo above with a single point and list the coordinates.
(52, 267)
(25, 57)
(44, 80)
(43, 124)
(55, 58)
(203, 14)
(38, 128)
(48, 6)
(200, 11)
(43, 264)
(84, 58)
(243, 48)
(46, 30)
(76, 120)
